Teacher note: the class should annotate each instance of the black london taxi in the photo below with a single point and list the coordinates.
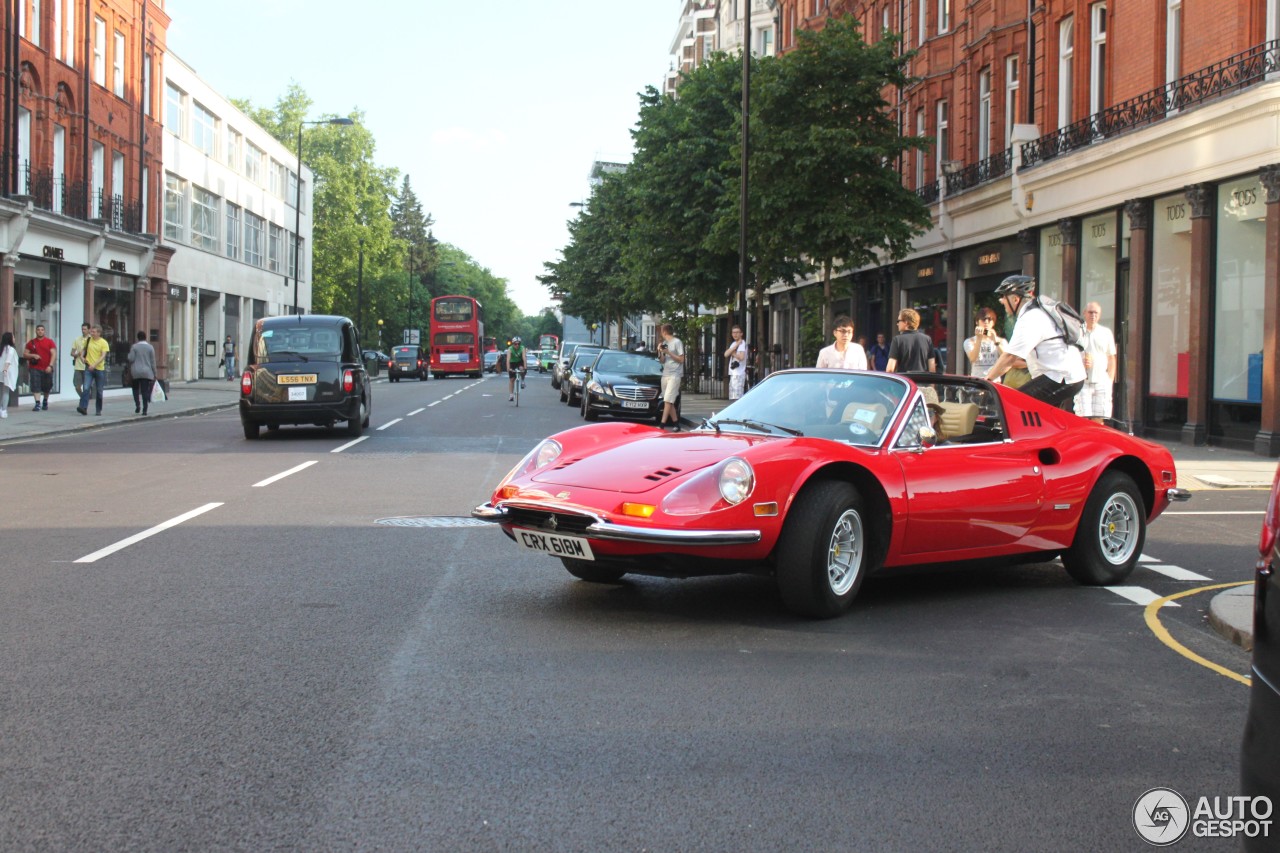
(304, 369)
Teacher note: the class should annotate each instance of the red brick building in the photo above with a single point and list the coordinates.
(1125, 154)
(80, 173)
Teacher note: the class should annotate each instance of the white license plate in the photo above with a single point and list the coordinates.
(555, 544)
(634, 404)
(297, 392)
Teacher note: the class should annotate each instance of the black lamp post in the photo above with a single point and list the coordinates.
(297, 207)
(360, 289)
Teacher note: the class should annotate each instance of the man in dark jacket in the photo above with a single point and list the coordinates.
(911, 350)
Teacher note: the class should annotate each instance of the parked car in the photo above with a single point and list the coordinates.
(623, 384)
(817, 478)
(381, 359)
(491, 361)
(304, 369)
(409, 360)
(563, 359)
(573, 379)
(1260, 755)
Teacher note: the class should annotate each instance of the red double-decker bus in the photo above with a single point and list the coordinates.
(457, 336)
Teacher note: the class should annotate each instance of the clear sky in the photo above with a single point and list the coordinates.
(495, 110)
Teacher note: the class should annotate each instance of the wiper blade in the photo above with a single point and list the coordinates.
(758, 426)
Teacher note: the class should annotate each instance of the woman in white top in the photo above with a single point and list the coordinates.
(985, 346)
(737, 354)
(844, 353)
(8, 371)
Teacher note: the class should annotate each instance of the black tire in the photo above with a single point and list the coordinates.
(355, 425)
(593, 572)
(588, 413)
(1112, 531)
(564, 395)
(250, 429)
(823, 551)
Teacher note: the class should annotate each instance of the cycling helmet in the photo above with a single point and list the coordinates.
(1018, 285)
(516, 339)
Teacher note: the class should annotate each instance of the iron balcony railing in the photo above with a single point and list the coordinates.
(1215, 81)
(52, 191)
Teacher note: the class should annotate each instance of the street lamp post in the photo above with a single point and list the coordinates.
(297, 206)
(360, 289)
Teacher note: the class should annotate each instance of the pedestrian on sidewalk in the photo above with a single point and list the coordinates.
(911, 350)
(229, 357)
(77, 358)
(8, 371)
(41, 352)
(878, 353)
(142, 366)
(671, 355)
(95, 371)
(1094, 400)
(737, 354)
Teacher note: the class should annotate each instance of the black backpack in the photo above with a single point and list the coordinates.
(1066, 320)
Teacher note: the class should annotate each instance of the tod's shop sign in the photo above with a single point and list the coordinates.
(117, 266)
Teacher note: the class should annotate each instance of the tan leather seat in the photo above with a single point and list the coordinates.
(871, 414)
(957, 419)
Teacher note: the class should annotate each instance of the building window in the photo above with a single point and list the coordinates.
(203, 128)
(944, 16)
(99, 51)
(1168, 354)
(1240, 290)
(204, 219)
(275, 238)
(64, 31)
(117, 66)
(24, 148)
(292, 197)
(921, 9)
(1097, 58)
(290, 258)
(984, 114)
(921, 130)
(233, 231)
(253, 239)
(174, 109)
(277, 179)
(766, 42)
(1012, 98)
(1098, 256)
(942, 138)
(34, 34)
(99, 178)
(1066, 69)
(231, 152)
(253, 163)
(173, 193)
(59, 165)
(146, 85)
(1173, 41)
(117, 176)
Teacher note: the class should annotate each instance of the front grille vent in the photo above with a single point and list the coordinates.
(662, 474)
(635, 392)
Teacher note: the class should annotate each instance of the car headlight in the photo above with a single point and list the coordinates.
(574, 380)
(547, 451)
(718, 487)
(595, 387)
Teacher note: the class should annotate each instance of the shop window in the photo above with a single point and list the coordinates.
(1239, 291)
(1168, 354)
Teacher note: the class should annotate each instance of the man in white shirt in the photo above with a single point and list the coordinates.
(844, 353)
(1094, 400)
(1035, 335)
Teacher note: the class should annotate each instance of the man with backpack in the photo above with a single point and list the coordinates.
(1046, 331)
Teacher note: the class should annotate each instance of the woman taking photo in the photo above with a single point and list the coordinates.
(985, 346)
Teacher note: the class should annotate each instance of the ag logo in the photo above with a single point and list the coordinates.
(1161, 816)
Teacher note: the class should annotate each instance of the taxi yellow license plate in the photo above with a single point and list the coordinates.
(297, 379)
(555, 544)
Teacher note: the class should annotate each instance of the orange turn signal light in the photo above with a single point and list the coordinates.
(638, 510)
(765, 510)
(508, 492)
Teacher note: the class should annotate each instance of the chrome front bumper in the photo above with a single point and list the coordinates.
(613, 532)
(1178, 495)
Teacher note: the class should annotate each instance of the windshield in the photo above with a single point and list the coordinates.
(628, 363)
(849, 406)
(300, 342)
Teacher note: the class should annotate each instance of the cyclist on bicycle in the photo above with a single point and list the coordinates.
(516, 360)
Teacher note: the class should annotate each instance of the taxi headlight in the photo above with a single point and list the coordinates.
(719, 487)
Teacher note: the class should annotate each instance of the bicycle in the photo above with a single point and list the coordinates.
(519, 374)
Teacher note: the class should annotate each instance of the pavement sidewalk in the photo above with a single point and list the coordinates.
(1199, 468)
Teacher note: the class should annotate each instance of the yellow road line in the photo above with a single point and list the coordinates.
(1153, 622)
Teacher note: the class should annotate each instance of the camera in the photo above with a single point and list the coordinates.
(662, 346)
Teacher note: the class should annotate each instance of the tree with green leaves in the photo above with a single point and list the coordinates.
(823, 157)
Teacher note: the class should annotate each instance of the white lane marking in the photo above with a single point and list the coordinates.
(283, 474)
(352, 443)
(138, 537)
(447, 396)
(390, 424)
(1137, 594)
(415, 411)
(1177, 573)
(435, 403)
(1218, 512)
(1143, 558)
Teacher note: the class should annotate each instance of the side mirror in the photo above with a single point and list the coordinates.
(928, 438)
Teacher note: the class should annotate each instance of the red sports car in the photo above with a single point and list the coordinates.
(820, 477)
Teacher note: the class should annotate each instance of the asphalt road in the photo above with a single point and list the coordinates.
(339, 659)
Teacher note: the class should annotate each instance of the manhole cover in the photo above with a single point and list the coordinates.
(431, 521)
